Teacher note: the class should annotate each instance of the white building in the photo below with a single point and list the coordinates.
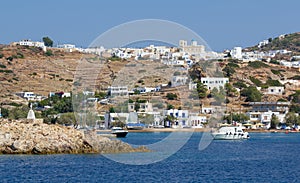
(214, 82)
(263, 43)
(118, 90)
(147, 89)
(236, 53)
(66, 46)
(207, 110)
(29, 96)
(28, 42)
(181, 117)
(197, 120)
(264, 118)
(179, 81)
(275, 90)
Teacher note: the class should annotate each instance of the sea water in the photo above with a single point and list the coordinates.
(265, 157)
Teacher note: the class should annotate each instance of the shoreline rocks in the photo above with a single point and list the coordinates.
(35, 137)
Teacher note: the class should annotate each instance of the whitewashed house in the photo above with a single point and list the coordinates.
(214, 82)
(28, 42)
(181, 117)
(197, 120)
(275, 90)
(118, 90)
(236, 53)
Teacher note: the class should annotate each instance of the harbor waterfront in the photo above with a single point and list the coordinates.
(265, 157)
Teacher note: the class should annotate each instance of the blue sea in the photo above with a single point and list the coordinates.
(265, 157)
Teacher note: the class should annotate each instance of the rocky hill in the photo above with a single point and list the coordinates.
(290, 42)
(36, 137)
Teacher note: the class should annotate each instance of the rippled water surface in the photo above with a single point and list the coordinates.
(266, 157)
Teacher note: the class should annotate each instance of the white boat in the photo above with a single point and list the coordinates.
(230, 133)
(119, 132)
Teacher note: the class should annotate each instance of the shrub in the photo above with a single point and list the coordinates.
(171, 96)
(234, 65)
(257, 82)
(275, 62)
(252, 94)
(48, 53)
(257, 64)
(272, 82)
(239, 84)
(277, 72)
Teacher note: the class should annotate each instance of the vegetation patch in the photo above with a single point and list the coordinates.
(277, 72)
(6, 71)
(257, 64)
(255, 81)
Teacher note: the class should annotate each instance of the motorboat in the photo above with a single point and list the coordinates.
(230, 133)
(119, 132)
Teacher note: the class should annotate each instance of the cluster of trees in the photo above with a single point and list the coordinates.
(291, 119)
(236, 117)
(252, 94)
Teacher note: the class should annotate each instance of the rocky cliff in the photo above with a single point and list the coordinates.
(36, 137)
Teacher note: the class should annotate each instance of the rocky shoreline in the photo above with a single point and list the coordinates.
(35, 137)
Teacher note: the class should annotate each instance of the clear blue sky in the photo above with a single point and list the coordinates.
(221, 23)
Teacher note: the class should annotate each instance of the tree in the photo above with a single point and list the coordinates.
(236, 117)
(48, 53)
(230, 90)
(170, 106)
(274, 122)
(18, 112)
(292, 119)
(228, 71)
(295, 97)
(252, 94)
(171, 96)
(47, 41)
(202, 90)
(67, 119)
(219, 96)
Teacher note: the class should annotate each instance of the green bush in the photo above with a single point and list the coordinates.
(234, 65)
(257, 64)
(6, 71)
(275, 62)
(49, 53)
(239, 84)
(272, 82)
(277, 72)
(171, 96)
(296, 77)
(252, 94)
(257, 82)
(2, 66)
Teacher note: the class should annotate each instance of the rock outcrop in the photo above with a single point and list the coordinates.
(36, 137)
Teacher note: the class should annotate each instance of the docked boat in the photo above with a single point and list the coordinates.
(119, 132)
(230, 133)
(133, 122)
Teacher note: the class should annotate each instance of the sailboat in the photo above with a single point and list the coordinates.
(133, 122)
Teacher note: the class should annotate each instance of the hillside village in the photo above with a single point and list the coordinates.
(165, 87)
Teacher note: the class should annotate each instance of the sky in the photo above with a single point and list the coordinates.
(223, 24)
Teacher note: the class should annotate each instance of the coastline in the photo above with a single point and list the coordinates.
(151, 130)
